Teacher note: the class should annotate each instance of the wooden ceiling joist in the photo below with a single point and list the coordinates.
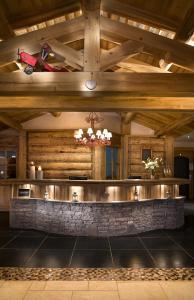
(30, 41)
(68, 54)
(119, 53)
(137, 14)
(10, 122)
(179, 53)
(175, 125)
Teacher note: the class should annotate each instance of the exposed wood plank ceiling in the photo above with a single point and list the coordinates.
(172, 19)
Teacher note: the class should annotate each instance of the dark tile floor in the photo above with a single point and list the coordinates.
(156, 249)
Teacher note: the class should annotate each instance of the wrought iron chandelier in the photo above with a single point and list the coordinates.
(93, 137)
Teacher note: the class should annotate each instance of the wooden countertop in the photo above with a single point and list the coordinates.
(167, 181)
(97, 202)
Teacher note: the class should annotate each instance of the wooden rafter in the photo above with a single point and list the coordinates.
(10, 122)
(6, 30)
(154, 43)
(138, 66)
(30, 41)
(119, 53)
(127, 10)
(128, 117)
(72, 57)
(186, 29)
(175, 125)
(31, 18)
(56, 114)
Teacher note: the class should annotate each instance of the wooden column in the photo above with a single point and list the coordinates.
(169, 152)
(21, 156)
(125, 132)
(99, 163)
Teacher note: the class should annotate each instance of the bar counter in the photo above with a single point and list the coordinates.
(90, 218)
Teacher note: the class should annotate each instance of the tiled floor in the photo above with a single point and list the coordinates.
(158, 249)
(96, 290)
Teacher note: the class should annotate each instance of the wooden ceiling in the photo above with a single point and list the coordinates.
(126, 45)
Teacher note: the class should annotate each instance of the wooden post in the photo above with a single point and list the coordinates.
(169, 152)
(99, 161)
(21, 157)
(91, 10)
(125, 132)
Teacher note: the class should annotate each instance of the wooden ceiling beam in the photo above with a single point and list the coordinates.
(10, 122)
(91, 10)
(56, 114)
(96, 103)
(137, 14)
(135, 84)
(119, 53)
(66, 53)
(178, 53)
(138, 66)
(6, 30)
(30, 19)
(30, 42)
(186, 29)
(127, 117)
(175, 125)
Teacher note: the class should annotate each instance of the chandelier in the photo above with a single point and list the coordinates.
(93, 137)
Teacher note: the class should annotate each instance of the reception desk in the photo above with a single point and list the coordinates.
(104, 207)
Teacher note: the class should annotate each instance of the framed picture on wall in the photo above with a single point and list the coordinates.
(145, 153)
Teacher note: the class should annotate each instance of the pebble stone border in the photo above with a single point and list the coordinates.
(119, 274)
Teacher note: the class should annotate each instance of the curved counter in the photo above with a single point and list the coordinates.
(96, 218)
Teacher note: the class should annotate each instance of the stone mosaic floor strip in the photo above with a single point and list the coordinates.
(120, 274)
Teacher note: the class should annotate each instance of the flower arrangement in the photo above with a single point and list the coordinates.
(151, 164)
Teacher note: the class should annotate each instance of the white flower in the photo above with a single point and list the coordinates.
(152, 164)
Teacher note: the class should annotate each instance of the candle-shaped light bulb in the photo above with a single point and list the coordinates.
(102, 136)
(93, 137)
(90, 131)
(98, 133)
(39, 168)
(80, 131)
(105, 131)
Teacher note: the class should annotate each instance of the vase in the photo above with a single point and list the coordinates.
(152, 175)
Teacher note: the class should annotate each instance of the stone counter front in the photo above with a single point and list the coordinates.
(96, 219)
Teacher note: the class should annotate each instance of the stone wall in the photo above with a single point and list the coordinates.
(96, 219)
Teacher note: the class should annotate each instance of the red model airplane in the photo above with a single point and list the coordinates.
(38, 63)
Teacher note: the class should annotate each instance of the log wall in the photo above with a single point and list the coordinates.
(58, 155)
(135, 146)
